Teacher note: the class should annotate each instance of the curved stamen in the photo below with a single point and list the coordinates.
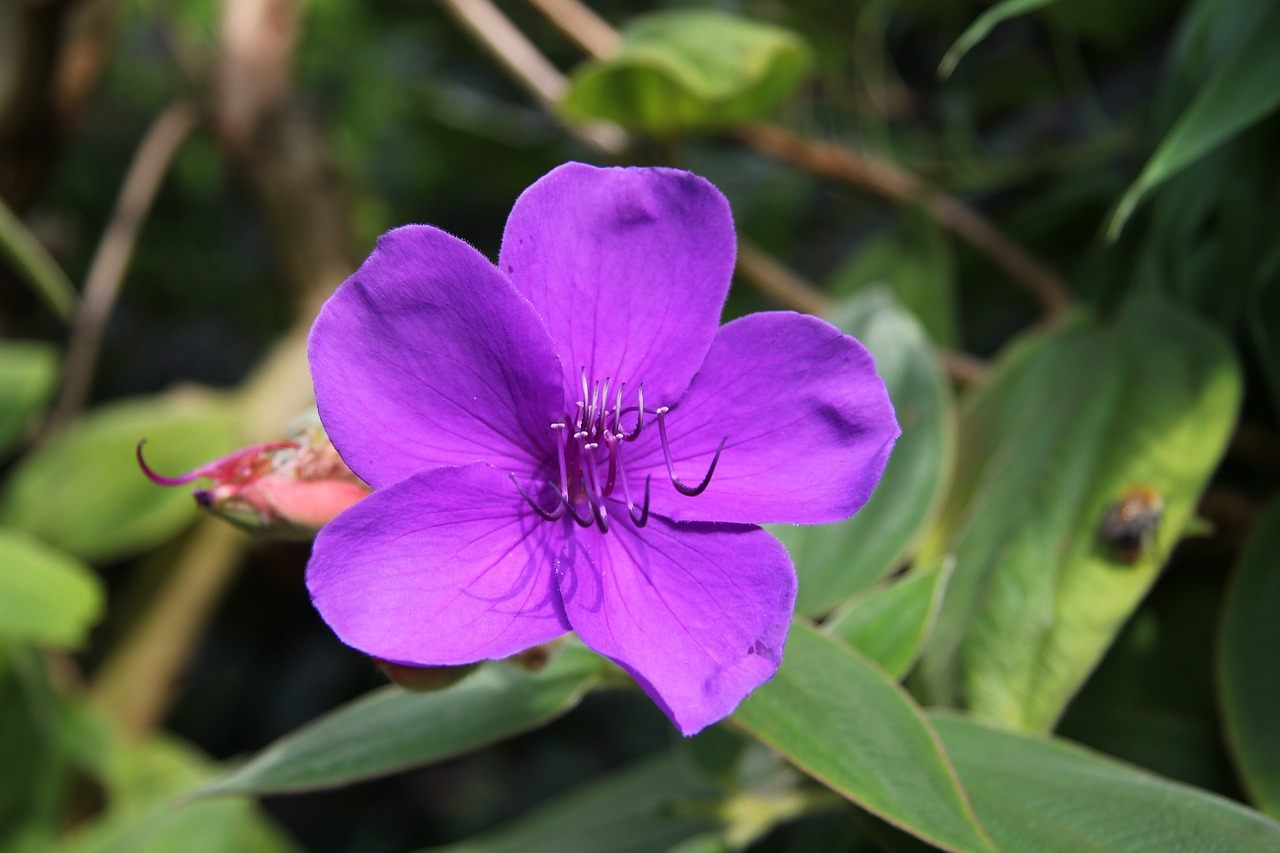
(564, 474)
(639, 410)
(611, 446)
(547, 516)
(643, 518)
(591, 478)
(165, 481)
(573, 513)
(689, 491)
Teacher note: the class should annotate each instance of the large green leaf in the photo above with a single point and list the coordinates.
(1241, 91)
(28, 374)
(689, 69)
(1051, 795)
(840, 719)
(1250, 683)
(890, 623)
(83, 492)
(1070, 425)
(982, 27)
(46, 597)
(634, 810)
(836, 561)
(391, 730)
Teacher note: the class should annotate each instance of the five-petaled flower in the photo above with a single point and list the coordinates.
(571, 441)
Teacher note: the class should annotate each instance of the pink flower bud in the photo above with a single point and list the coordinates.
(285, 488)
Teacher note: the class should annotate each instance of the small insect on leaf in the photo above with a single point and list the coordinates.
(1129, 526)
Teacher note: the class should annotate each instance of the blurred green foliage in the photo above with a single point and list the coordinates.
(1127, 148)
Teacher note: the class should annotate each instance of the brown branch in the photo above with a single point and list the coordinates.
(510, 47)
(139, 680)
(770, 276)
(115, 249)
(280, 154)
(597, 38)
(530, 68)
(895, 183)
(580, 22)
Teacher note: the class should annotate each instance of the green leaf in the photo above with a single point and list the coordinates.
(1264, 324)
(914, 260)
(688, 70)
(1240, 93)
(635, 810)
(28, 375)
(40, 270)
(890, 623)
(142, 781)
(1250, 682)
(83, 490)
(836, 561)
(1051, 795)
(390, 730)
(983, 26)
(1071, 423)
(33, 752)
(47, 598)
(840, 719)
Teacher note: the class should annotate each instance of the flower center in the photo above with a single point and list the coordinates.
(589, 444)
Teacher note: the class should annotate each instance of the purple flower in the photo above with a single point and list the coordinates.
(571, 441)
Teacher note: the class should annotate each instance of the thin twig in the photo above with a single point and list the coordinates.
(106, 272)
(894, 182)
(597, 38)
(580, 22)
(770, 276)
(510, 47)
(530, 68)
(137, 683)
(782, 283)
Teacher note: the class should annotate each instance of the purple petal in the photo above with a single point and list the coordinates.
(428, 357)
(628, 267)
(447, 567)
(808, 421)
(697, 613)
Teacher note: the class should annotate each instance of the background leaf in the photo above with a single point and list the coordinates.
(891, 622)
(982, 27)
(391, 730)
(1250, 676)
(634, 810)
(835, 561)
(1241, 91)
(1068, 423)
(689, 69)
(1050, 795)
(914, 260)
(28, 375)
(844, 722)
(83, 492)
(142, 781)
(46, 597)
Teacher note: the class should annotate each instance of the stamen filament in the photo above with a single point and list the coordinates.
(546, 515)
(689, 491)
